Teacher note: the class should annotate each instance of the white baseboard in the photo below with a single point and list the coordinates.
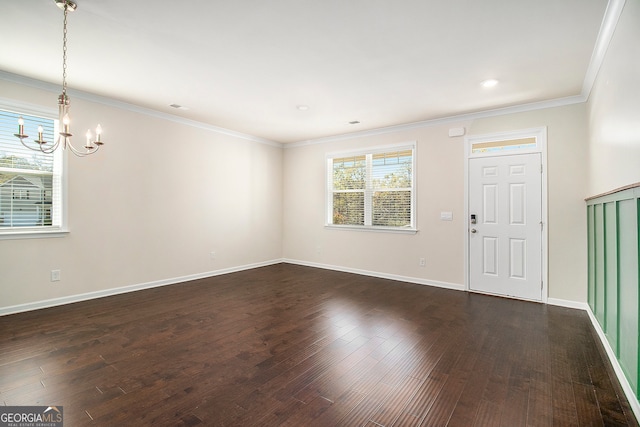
(36, 305)
(626, 387)
(380, 275)
(633, 401)
(567, 303)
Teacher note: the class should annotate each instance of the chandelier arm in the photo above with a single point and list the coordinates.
(51, 149)
(29, 147)
(79, 153)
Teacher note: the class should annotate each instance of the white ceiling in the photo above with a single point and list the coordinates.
(245, 65)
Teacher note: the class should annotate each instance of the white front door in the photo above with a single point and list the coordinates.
(505, 225)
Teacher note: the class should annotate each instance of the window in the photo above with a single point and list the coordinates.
(20, 194)
(30, 180)
(372, 189)
(504, 145)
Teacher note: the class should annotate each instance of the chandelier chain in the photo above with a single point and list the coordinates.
(64, 53)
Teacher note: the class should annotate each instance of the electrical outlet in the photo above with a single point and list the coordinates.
(55, 275)
(423, 262)
(212, 255)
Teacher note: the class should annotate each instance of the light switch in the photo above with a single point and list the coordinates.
(446, 216)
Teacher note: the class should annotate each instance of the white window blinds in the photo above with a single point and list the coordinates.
(373, 189)
(30, 181)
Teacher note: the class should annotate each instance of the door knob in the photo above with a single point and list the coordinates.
(473, 230)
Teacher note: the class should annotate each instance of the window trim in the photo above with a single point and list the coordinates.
(328, 211)
(43, 231)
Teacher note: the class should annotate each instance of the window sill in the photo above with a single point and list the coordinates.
(395, 230)
(32, 234)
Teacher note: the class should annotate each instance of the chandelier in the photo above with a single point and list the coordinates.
(64, 136)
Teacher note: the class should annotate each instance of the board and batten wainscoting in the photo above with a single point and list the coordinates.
(613, 226)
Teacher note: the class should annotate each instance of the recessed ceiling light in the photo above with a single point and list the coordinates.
(302, 107)
(489, 83)
(178, 107)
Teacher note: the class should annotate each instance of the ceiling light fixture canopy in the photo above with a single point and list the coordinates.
(64, 136)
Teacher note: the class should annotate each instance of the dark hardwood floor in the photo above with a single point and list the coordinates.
(298, 346)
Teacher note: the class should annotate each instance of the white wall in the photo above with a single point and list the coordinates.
(149, 206)
(440, 180)
(124, 231)
(614, 109)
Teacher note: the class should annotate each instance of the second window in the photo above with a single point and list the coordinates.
(372, 189)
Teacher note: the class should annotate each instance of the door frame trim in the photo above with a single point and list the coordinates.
(540, 133)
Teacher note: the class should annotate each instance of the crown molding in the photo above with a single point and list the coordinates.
(50, 87)
(559, 102)
(607, 29)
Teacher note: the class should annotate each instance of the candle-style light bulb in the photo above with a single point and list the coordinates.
(40, 131)
(20, 125)
(20, 133)
(98, 132)
(65, 122)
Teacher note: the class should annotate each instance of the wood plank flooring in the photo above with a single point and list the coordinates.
(298, 346)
